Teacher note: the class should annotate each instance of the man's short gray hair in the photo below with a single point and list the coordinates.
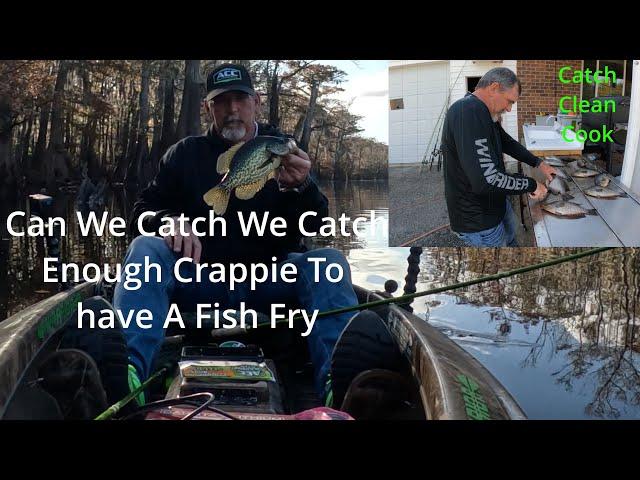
(503, 76)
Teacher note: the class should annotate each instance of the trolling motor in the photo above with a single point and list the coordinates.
(413, 269)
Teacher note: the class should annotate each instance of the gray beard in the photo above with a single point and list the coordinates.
(497, 117)
(233, 134)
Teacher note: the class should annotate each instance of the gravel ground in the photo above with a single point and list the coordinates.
(417, 205)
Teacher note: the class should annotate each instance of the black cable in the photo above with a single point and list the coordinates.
(162, 403)
(182, 401)
(213, 409)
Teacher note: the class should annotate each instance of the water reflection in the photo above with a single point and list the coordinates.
(563, 340)
(22, 281)
(358, 199)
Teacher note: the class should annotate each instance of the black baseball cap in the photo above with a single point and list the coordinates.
(227, 77)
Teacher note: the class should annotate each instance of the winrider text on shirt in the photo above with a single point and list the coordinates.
(476, 183)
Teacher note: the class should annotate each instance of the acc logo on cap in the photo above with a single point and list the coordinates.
(227, 74)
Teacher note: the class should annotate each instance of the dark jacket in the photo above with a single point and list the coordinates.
(476, 183)
(188, 170)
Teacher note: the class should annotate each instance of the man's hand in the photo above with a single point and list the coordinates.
(294, 169)
(540, 193)
(188, 245)
(547, 170)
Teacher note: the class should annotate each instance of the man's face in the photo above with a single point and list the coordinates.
(233, 114)
(502, 100)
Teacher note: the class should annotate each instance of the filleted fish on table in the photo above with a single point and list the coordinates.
(567, 209)
(584, 173)
(603, 192)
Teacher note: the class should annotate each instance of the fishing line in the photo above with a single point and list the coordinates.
(411, 296)
(112, 410)
(426, 234)
(438, 126)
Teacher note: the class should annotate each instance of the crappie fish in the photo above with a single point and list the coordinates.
(582, 163)
(247, 167)
(602, 180)
(584, 172)
(554, 161)
(561, 174)
(587, 161)
(603, 192)
(563, 208)
(558, 186)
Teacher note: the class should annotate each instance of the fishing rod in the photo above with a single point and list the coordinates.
(411, 296)
(112, 410)
(426, 234)
(438, 127)
(116, 407)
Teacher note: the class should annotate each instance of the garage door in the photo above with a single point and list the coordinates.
(417, 94)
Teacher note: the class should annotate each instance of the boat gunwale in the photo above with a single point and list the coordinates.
(17, 353)
(439, 366)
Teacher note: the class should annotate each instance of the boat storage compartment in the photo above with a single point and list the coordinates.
(238, 377)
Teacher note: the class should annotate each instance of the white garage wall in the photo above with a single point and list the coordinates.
(423, 85)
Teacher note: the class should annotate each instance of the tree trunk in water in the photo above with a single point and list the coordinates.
(168, 133)
(111, 154)
(55, 165)
(315, 159)
(26, 141)
(88, 155)
(297, 130)
(311, 109)
(124, 126)
(142, 142)
(131, 147)
(274, 98)
(154, 156)
(19, 145)
(358, 169)
(6, 129)
(68, 140)
(41, 144)
(335, 164)
(120, 170)
(189, 120)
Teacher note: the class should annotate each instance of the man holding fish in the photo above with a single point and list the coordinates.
(238, 166)
(476, 181)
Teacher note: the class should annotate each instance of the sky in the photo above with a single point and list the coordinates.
(368, 85)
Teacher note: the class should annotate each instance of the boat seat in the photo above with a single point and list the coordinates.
(365, 344)
(72, 377)
(377, 394)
